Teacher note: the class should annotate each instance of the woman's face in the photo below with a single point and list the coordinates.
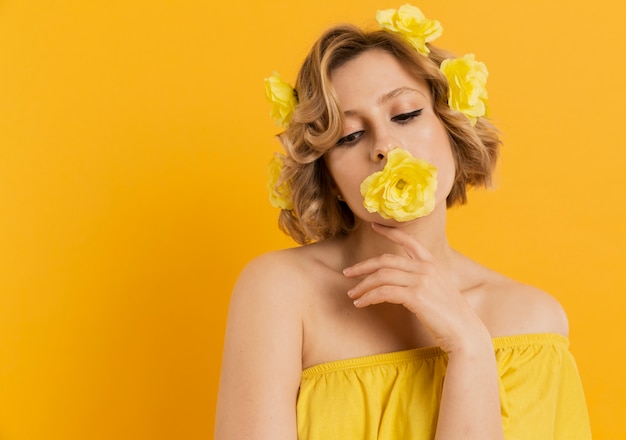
(384, 108)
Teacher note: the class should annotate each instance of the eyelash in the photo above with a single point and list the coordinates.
(402, 119)
(349, 140)
(405, 118)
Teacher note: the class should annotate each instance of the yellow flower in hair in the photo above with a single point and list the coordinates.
(283, 99)
(467, 80)
(411, 24)
(280, 192)
(404, 190)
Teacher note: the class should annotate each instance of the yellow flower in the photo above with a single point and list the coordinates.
(283, 99)
(280, 194)
(403, 190)
(411, 24)
(467, 79)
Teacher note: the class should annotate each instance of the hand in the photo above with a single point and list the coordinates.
(416, 282)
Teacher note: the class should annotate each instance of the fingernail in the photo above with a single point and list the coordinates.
(350, 293)
(356, 302)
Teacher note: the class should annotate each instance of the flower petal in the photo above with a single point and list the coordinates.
(283, 99)
(411, 24)
(279, 192)
(467, 80)
(403, 190)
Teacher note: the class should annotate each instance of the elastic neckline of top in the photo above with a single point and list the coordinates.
(499, 343)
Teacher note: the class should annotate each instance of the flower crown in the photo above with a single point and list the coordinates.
(467, 79)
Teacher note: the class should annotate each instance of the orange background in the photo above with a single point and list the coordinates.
(134, 137)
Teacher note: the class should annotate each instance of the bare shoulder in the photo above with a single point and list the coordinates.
(268, 295)
(509, 307)
(277, 274)
(262, 359)
(269, 268)
(273, 288)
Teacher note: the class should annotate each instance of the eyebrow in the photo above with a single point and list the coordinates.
(397, 92)
(390, 95)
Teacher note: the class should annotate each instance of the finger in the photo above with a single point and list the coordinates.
(382, 277)
(411, 245)
(379, 295)
(371, 265)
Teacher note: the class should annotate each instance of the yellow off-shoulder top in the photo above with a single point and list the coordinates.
(396, 395)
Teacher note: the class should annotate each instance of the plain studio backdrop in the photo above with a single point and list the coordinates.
(134, 137)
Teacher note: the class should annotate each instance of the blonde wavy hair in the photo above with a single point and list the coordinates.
(317, 125)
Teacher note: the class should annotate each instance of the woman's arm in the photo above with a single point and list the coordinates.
(470, 399)
(470, 403)
(262, 361)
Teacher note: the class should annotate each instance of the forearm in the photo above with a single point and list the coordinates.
(470, 401)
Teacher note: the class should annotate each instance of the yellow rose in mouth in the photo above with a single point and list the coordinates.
(404, 190)
(283, 99)
(280, 195)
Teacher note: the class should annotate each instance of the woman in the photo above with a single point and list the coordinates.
(376, 327)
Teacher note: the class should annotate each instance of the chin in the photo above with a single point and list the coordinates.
(389, 222)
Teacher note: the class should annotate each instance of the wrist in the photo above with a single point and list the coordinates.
(472, 345)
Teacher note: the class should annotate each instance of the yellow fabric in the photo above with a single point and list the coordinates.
(396, 395)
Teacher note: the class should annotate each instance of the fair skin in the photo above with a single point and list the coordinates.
(385, 287)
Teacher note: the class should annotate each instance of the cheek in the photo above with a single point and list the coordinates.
(447, 172)
(443, 158)
(331, 167)
(341, 167)
(347, 176)
(346, 182)
(445, 180)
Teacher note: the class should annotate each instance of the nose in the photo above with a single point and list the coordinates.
(382, 148)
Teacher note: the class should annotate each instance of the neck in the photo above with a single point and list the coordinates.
(430, 231)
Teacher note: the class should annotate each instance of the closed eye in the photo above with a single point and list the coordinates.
(350, 139)
(405, 118)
